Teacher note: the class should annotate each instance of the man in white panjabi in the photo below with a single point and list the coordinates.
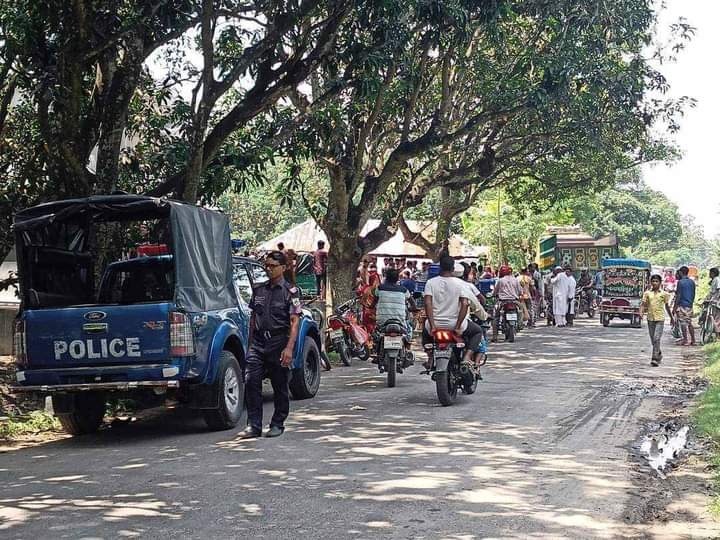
(571, 284)
(559, 283)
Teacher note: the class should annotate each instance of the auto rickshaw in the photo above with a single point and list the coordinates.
(625, 281)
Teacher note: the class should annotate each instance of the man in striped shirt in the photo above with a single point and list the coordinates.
(393, 300)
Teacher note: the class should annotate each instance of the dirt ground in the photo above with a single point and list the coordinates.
(549, 447)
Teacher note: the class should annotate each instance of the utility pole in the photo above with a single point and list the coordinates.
(499, 224)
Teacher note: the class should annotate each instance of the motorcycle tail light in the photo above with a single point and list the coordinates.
(181, 335)
(393, 334)
(442, 346)
(20, 344)
(335, 324)
(444, 336)
(510, 307)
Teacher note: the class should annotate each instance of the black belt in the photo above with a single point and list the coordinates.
(269, 334)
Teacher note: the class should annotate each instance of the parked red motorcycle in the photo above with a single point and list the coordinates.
(346, 335)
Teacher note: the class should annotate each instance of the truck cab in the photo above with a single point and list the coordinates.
(136, 297)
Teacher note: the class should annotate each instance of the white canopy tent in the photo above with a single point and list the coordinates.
(303, 238)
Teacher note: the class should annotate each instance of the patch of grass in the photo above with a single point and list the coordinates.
(34, 422)
(707, 416)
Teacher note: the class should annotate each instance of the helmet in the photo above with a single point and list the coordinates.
(505, 271)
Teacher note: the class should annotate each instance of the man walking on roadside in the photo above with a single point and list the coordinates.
(571, 285)
(320, 258)
(559, 283)
(655, 303)
(274, 327)
(683, 308)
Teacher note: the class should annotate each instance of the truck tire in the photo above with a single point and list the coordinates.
(305, 380)
(229, 391)
(87, 415)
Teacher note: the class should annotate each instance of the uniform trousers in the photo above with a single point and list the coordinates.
(264, 357)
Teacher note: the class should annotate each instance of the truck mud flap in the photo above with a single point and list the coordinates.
(201, 396)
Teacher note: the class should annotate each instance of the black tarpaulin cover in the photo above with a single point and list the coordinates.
(203, 258)
(201, 240)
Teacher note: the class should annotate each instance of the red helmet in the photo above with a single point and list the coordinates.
(505, 271)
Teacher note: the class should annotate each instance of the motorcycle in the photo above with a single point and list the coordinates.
(393, 350)
(585, 302)
(447, 369)
(347, 336)
(506, 320)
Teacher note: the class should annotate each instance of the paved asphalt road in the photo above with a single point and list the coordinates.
(541, 450)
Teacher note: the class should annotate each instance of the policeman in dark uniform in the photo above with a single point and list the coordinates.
(273, 330)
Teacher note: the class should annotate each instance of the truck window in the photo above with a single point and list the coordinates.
(136, 281)
(242, 280)
(259, 274)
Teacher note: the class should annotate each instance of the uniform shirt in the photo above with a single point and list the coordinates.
(446, 293)
(685, 293)
(392, 303)
(273, 305)
(654, 303)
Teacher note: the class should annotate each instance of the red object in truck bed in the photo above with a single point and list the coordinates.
(152, 250)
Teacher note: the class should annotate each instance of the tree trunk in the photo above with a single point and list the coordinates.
(344, 252)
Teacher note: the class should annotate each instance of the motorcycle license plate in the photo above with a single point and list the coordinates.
(337, 334)
(511, 316)
(442, 354)
(393, 342)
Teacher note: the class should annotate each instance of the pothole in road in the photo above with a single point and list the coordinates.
(663, 445)
(669, 387)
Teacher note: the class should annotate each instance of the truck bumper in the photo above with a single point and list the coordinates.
(118, 377)
(89, 387)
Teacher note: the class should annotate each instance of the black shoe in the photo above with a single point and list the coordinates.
(249, 433)
(274, 431)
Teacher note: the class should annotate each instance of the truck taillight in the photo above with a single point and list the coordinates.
(20, 344)
(181, 335)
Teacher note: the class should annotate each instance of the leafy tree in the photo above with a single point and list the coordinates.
(108, 94)
(515, 233)
(637, 214)
(467, 96)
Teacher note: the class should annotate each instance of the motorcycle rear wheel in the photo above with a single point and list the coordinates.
(510, 333)
(446, 388)
(345, 355)
(391, 367)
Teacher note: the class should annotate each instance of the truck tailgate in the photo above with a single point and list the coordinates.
(97, 335)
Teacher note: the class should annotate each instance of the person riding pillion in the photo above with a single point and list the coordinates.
(447, 300)
(274, 324)
(393, 302)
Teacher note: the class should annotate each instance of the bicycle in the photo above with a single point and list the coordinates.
(709, 322)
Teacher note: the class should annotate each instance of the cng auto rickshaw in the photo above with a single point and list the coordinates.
(624, 282)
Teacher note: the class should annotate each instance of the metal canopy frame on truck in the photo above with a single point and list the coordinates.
(201, 241)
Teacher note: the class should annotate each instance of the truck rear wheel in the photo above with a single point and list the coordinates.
(305, 380)
(87, 414)
(229, 390)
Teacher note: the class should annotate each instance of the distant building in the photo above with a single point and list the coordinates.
(570, 245)
(9, 305)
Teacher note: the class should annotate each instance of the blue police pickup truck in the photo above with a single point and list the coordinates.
(132, 297)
